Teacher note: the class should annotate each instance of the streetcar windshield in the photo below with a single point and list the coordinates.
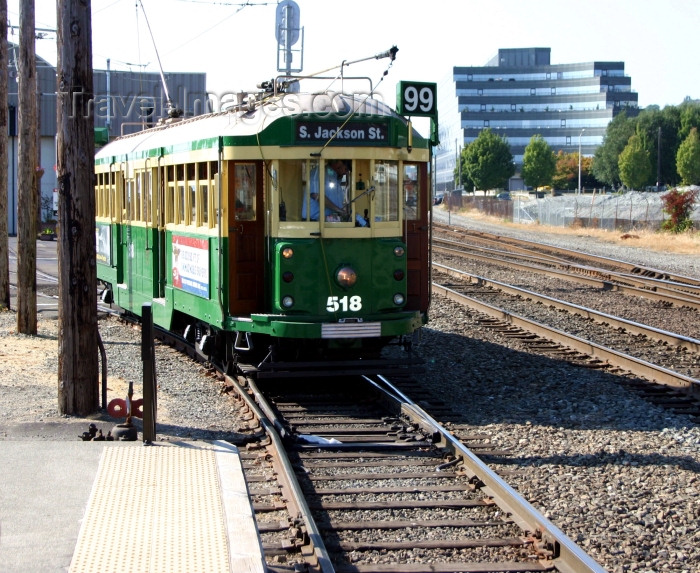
(339, 192)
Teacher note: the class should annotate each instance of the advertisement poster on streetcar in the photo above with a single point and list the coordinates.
(103, 241)
(191, 265)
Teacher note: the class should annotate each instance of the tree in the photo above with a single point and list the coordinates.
(690, 118)
(488, 161)
(539, 163)
(661, 133)
(679, 206)
(688, 158)
(461, 175)
(634, 164)
(658, 131)
(78, 370)
(4, 246)
(27, 197)
(605, 165)
(566, 174)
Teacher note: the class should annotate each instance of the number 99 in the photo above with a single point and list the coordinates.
(415, 99)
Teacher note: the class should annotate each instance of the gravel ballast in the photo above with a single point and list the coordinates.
(616, 473)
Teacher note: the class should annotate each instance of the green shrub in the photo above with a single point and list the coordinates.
(678, 205)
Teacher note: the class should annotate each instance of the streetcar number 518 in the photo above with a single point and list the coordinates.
(344, 303)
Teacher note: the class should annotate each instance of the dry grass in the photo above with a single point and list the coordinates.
(683, 244)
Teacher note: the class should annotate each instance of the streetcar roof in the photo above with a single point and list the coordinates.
(241, 121)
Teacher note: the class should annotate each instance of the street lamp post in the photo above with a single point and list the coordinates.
(579, 160)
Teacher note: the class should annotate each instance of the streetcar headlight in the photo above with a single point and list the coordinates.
(398, 275)
(399, 299)
(399, 251)
(346, 277)
(288, 276)
(287, 301)
(287, 252)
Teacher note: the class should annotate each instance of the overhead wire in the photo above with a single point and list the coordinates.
(205, 31)
(355, 107)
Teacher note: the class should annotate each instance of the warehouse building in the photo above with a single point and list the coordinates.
(124, 102)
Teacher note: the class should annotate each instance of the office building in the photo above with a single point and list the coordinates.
(518, 94)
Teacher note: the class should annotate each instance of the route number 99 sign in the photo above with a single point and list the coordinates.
(417, 99)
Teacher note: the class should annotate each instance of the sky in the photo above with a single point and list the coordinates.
(234, 42)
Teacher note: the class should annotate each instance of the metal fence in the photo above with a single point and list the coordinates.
(625, 212)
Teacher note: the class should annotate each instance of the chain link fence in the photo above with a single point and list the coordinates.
(618, 212)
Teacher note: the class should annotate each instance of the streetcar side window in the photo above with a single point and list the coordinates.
(136, 197)
(181, 203)
(99, 194)
(309, 203)
(361, 194)
(140, 200)
(170, 194)
(124, 197)
(213, 201)
(203, 194)
(192, 195)
(245, 181)
(130, 200)
(181, 196)
(112, 191)
(386, 183)
(203, 201)
(411, 194)
(291, 183)
(147, 196)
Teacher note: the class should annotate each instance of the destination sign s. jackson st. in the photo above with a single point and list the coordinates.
(355, 132)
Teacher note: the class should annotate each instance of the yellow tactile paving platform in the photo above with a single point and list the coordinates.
(169, 508)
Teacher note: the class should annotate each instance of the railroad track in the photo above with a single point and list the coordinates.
(285, 533)
(679, 294)
(371, 483)
(581, 334)
(583, 262)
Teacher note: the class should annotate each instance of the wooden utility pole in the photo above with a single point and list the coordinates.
(4, 246)
(28, 200)
(78, 372)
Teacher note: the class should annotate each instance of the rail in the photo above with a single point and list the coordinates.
(568, 557)
(629, 363)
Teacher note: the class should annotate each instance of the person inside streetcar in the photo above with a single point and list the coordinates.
(336, 180)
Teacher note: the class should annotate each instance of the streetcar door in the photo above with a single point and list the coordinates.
(246, 226)
(415, 198)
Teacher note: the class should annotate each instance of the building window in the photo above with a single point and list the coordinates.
(470, 77)
(563, 123)
(568, 140)
(533, 91)
(512, 107)
(482, 107)
(486, 123)
(549, 75)
(554, 91)
(479, 92)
